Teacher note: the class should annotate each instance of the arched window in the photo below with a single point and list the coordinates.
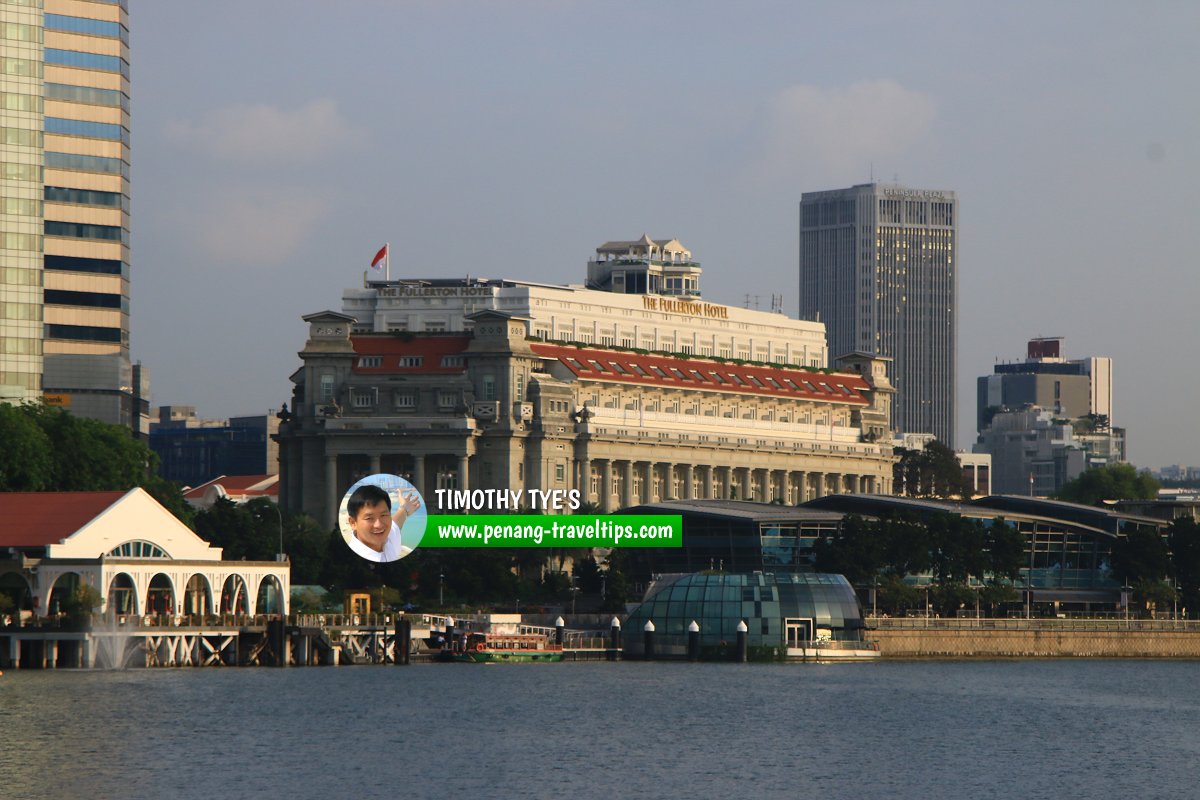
(138, 548)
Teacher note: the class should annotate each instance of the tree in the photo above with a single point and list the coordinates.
(1111, 482)
(855, 551)
(1184, 539)
(931, 472)
(81, 602)
(1141, 558)
(47, 449)
(1005, 550)
(26, 463)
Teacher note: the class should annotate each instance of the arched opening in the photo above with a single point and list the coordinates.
(197, 597)
(233, 596)
(122, 595)
(61, 593)
(16, 598)
(160, 597)
(269, 596)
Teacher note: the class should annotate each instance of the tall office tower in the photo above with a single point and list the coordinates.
(65, 277)
(877, 267)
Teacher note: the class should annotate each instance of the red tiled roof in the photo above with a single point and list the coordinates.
(391, 348)
(37, 519)
(620, 367)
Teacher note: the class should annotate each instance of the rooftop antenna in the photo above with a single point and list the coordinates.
(872, 171)
(776, 303)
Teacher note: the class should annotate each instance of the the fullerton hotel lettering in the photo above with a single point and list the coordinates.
(685, 307)
(436, 291)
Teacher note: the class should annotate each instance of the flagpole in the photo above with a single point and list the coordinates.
(387, 262)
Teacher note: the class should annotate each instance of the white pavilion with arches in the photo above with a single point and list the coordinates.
(140, 559)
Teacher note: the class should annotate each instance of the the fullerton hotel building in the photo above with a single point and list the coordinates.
(630, 390)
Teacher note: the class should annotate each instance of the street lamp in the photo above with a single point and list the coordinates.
(280, 556)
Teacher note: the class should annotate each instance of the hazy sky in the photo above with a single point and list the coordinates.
(277, 145)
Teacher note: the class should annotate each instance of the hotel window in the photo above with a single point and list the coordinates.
(453, 361)
(519, 386)
(638, 369)
(404, 401)
(487, 390)
(435, 326)
(560, 473)
(362, 398)
(412, 361)
(447, 399)
(370, 361)
(326, 388)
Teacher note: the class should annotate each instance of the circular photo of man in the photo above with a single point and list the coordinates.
(382, 517)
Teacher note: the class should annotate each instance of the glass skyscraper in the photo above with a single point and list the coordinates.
(64, 277)
(877, 266)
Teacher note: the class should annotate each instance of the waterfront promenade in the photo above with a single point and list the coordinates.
(923, 637)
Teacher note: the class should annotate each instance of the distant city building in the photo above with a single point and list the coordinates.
(1178, 473)
(624, 397)
(977, 472)
(193, 451)
(1069, 388)
(64, 264)
(1031, 453)
(878, 266)
(1047, 419)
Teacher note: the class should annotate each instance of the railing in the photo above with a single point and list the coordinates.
(1017, 624)
(835, 644)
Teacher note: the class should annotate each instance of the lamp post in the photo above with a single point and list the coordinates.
(441, 602)
(280, 556)
(1125, 595)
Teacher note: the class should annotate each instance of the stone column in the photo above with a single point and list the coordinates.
(627, 486)
(854, 484)
(668, 481)
(689, 481)
(331, 498)
(374, 463)
(706, 481)
(464, 475)
(818, 484)
(583, 477)
(606, 476)
(744, 483)
(801, 486)
(726, 481)
(418, 474)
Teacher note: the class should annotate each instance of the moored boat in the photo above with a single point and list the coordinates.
(483, 648)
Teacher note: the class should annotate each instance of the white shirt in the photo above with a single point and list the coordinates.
(393, 548)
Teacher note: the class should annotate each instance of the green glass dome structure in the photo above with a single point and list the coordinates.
(782, 612)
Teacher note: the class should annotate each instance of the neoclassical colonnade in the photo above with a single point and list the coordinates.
(614, 483)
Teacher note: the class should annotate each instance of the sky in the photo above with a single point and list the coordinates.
(277, 144)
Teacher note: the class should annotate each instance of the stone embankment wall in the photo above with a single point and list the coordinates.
(1035, 643)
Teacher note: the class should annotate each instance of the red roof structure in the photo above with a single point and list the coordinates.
(613, 366)
(437, 354)
(38, 519)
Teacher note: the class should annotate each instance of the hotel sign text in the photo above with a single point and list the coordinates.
(685, 307)
(436, 291)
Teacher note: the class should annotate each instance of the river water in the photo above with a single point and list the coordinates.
(929, 729)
